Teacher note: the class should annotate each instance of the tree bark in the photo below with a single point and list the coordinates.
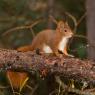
(32, 62)
(90, 6)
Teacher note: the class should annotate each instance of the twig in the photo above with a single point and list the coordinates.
(11, 85)
(74, 20)
(11, 18)
(32, 31)
(17, 93)
(34, 89)
(3, 87)
(53, 19)
(22, 27)
(59, 88)
(28, 86)
(80, 36)
(76, 25)
(82, 17)
(54, 92)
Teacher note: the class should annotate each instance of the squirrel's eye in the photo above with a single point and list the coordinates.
(65, 30)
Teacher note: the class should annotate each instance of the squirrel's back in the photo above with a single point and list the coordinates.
(43, 37)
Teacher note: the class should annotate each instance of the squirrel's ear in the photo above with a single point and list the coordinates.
(66, 23)
(60, 24)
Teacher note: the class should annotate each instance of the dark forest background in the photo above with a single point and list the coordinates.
(16, 15)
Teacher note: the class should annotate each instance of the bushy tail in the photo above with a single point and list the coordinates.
(25, 48)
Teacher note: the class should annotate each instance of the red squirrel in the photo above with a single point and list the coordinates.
(47, 41)
(51, 41)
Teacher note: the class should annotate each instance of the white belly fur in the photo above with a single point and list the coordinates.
(61, 46)
(47, 49)
(62, 43)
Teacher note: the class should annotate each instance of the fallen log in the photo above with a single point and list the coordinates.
(68, 68)
(30, 62)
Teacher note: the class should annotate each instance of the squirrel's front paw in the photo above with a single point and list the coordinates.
(58, 54)
(69, 55)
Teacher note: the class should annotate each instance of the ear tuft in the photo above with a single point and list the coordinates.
(66, 23)
(60, 24)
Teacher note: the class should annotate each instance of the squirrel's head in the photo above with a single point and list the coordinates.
(64, 29)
